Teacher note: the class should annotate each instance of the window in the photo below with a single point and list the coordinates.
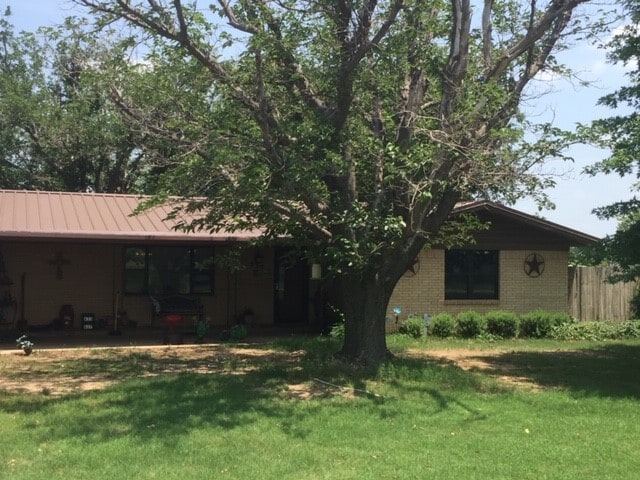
(168, 270)
(471, 275)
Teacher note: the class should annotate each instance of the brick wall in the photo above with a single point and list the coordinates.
(86, 281)
(92, 276)
(424, 292)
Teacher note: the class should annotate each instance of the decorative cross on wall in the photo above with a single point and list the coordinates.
(59, 261)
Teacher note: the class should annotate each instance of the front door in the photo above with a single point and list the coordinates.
(291, 287)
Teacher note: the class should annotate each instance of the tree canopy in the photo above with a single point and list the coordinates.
(59, 129)
(621, 134)
(351, 127)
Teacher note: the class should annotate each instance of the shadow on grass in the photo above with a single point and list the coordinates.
(606, 371)
(162, 408)
(166, 398)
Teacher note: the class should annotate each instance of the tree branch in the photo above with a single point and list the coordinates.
(298, 215)
(457, 62)
(487, 32)
(233, 20)
(362, 43)
(180, 35)
(556, 9)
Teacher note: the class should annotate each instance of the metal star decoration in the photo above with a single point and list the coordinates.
(534, 265)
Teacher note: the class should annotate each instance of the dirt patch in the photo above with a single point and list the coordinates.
(475, 360)
(67, 371)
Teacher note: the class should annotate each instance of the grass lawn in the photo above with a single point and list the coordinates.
(514, 410)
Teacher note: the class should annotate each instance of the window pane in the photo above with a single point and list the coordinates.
(135, 270)
(484, 274)
(169, 271)
(471, 274)
(455, 275)
(202, 270)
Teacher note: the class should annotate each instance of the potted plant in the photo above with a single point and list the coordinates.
(25, 344)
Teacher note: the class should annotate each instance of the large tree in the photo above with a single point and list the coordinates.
(353, 127)
(621, 133)
(59, 129)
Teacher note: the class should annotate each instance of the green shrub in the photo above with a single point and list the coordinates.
(596, 331)
(412, 326)
(631, 329)
(536, 324)
(469, 324)
(539, 323)
(337, 322)
(337, 330)
(635, 304)
(560, 318)
(442, 325)
(238, 332)
(501, 324)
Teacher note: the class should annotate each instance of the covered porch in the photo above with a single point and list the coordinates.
(81, 266)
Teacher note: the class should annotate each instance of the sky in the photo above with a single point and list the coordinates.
(575, 194)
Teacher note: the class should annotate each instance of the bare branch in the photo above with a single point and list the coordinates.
(536, 60)
(487, 32)
(364, 44)
(180, 35)
(557, 8)
(184, 32)
(296, 74)
(296, 214)
(458, 55)
(233, 20)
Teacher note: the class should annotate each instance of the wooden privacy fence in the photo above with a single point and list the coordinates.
(591, 297)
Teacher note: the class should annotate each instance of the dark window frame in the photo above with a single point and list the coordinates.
(196, 274)
(472, 275)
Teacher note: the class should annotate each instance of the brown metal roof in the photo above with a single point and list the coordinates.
(95, 216)
(99, 216)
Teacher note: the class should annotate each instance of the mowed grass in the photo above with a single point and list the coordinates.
(422, 417)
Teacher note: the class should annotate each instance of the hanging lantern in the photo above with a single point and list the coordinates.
(316, 271)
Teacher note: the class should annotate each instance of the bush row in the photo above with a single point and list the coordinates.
(503, 324)
(498, 324)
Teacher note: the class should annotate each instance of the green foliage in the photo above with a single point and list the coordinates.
(470, 324)
(621, 248)
(59, 126)
(412, 326)
(337, 330)
(620, 134)
(589, 255)
(539, 323)
(596, 331)
(502, 324)
(336, 320)
(635, 304)
(238, 333)
(442, 325)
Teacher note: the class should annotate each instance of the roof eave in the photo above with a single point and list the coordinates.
(129, 237)
(574, 237)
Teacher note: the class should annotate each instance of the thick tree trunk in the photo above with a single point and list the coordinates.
(364, 305)
(364, 299)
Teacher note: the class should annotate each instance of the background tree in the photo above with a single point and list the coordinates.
(59, 129)
(353, 127)
(621, 133)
